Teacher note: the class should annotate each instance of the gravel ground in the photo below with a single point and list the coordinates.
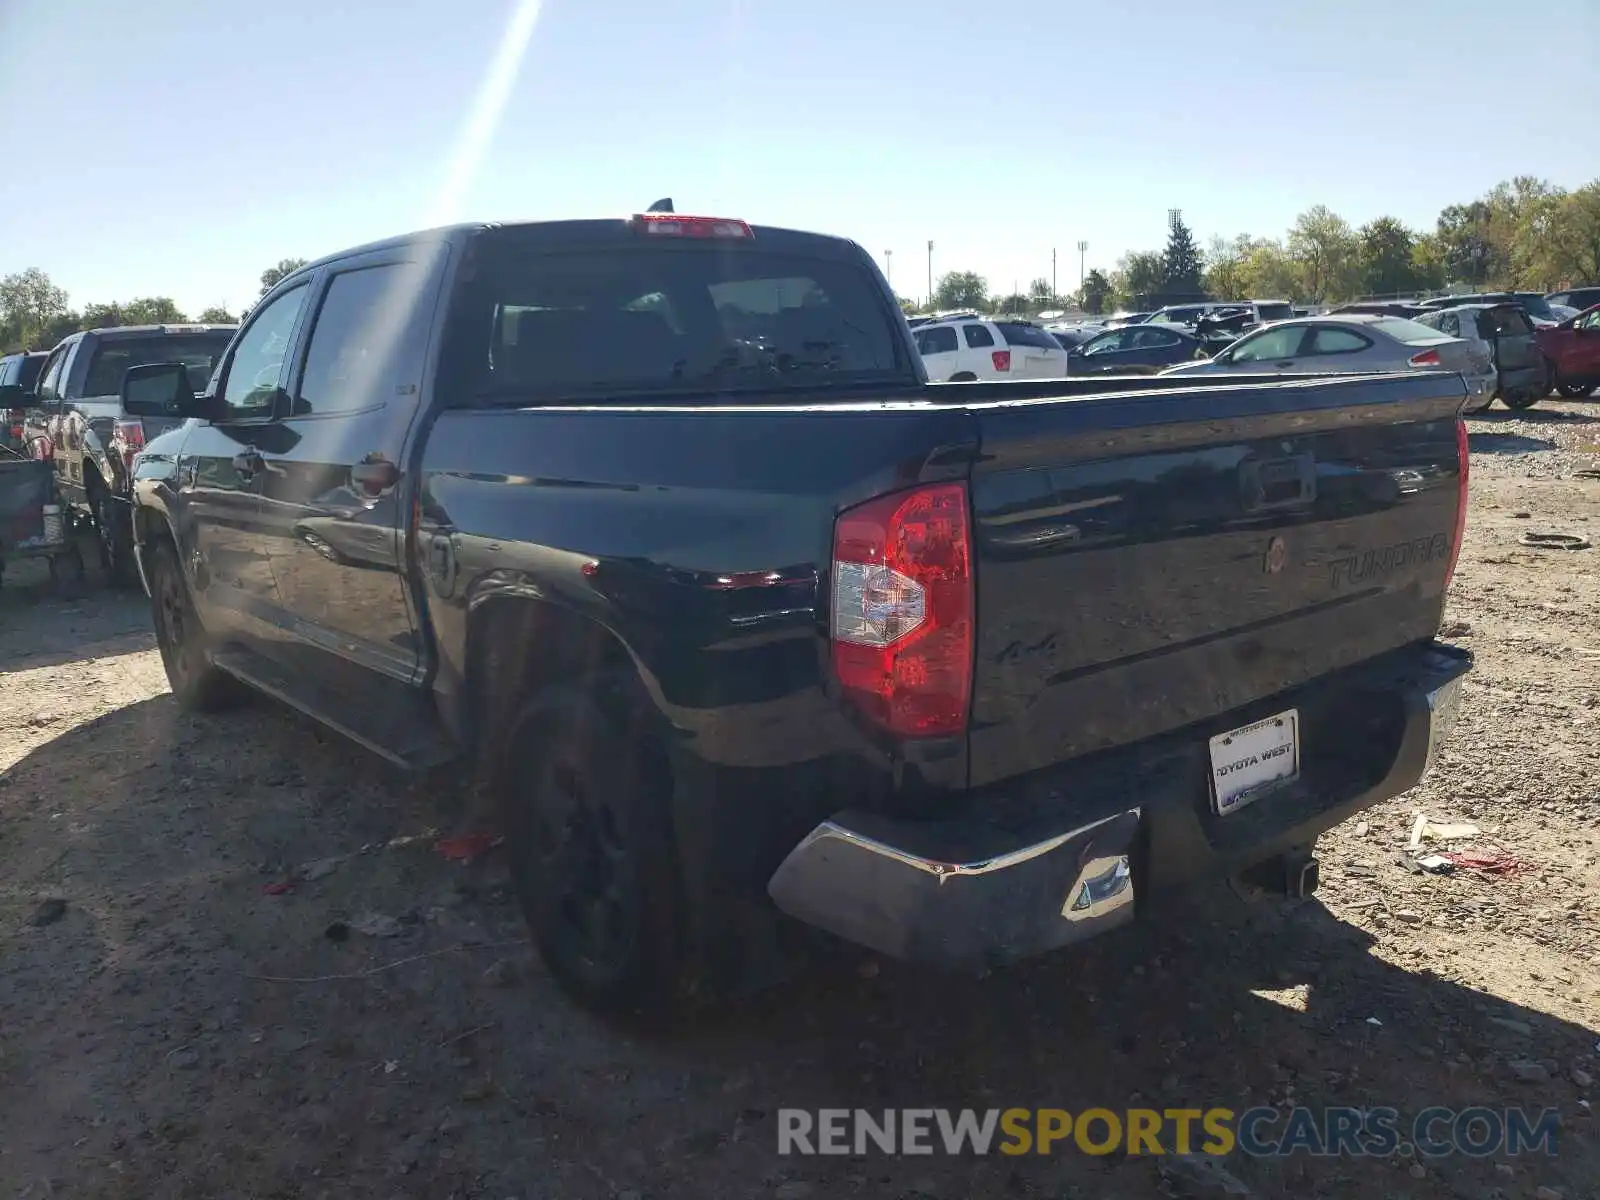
(168, 1028)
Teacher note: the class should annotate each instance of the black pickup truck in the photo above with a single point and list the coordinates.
(74, 421)
(658, 523)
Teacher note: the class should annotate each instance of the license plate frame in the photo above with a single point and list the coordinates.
(1254, 760)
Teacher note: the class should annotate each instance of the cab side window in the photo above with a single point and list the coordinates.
(255, 371)
(49, 391)
(356, 358)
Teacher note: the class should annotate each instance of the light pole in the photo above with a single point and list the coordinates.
(930, 272)
(1083, 248)
(888, 267)
(1053, 292)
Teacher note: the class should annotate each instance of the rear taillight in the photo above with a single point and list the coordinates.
(673, 225)
(1463, 455)
(902, 631)
(129, 434)
(1428, 358)
(1002, 359)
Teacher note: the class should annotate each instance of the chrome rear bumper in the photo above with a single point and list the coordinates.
(971, 893)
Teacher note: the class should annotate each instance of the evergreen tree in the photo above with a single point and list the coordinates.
(1181, 265)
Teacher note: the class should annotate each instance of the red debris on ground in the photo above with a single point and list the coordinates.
(467, 847)
(1491, 862)
(277, 889)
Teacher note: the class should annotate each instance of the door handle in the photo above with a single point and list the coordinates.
(247, 462)
(1288, 362)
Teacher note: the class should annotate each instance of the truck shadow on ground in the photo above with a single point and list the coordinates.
(1507, 443)
(197, 1026)
(1536, 416)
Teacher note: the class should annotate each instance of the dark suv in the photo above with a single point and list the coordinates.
(77, 413)
(1579, 298)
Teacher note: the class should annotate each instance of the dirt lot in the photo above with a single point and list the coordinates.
(170, 1029)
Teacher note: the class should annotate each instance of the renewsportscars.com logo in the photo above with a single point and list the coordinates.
(1257, 1132)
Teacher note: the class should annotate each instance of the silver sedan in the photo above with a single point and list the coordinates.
(1350, 343)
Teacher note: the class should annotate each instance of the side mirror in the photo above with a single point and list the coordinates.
(11, 395)
(159, 390)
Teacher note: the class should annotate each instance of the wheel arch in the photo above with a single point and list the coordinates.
(517, 643)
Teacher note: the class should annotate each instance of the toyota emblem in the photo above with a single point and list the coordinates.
(1277, 555)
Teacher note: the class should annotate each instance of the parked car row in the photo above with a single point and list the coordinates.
(63, 406)
(1503, 344)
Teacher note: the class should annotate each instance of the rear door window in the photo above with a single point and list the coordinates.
(1282, 341)
(1026, 335)
(941, 339)
(977, 337)
(355, 358)
(198, 352)
(654, 319)
(1330, 339)
(1108, 343)
(1148, 337)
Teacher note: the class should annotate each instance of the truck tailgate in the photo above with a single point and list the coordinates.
(1149, 560)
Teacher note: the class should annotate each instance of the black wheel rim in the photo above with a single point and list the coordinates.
(174, 624)
(580, 850)
(103, 516)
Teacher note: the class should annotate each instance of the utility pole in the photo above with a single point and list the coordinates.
(1083, 248)
(1053, 292)
(930, 273)
(888, 267)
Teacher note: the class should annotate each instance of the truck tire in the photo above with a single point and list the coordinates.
(113, 526)
(1520, 400)
(185, 647)
(1575, 391)
(585, 796)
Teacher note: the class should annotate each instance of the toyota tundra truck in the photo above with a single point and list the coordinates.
(655, 526)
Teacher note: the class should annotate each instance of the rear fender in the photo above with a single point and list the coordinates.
(517, 643)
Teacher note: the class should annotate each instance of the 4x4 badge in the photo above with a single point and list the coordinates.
(1277, 555)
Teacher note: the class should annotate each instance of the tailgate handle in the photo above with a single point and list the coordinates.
(1269, 483)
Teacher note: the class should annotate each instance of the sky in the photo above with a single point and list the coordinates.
(180, 147)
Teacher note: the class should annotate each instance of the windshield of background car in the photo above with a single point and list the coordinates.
(113, 356)
(664, 319)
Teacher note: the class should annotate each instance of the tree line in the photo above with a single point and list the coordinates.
(1525, 234)
(35, 313)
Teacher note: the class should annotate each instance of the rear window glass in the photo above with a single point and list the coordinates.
(1509, 321)
(1402, 330)
(113, 356)
(1275, 312)
(941, 339)
(1536, 304)
(672, 319)
(1026, 335)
